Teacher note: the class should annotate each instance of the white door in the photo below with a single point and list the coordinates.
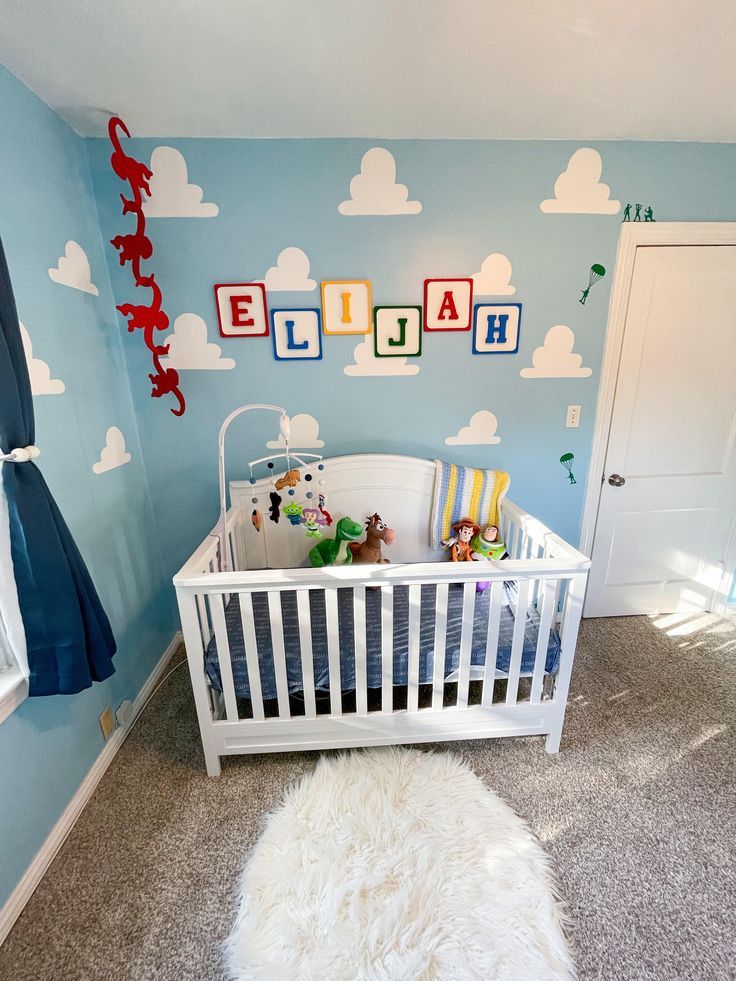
(669, 484)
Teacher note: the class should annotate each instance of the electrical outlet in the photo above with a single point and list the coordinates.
(107, 722)
(573, 416)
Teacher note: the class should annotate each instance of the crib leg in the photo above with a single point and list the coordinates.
(212, 762)
(552, 745)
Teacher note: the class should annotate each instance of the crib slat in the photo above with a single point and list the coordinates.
(217, 612)
(494, 625)
(204, 626)
(387, 649)
(524, 547)
(517, 644)
(333, 650)
(466, 643)
(440, 640)
(242, 556)
(515, 547)
(305, 645)
(536, 553)
(549, 601)
(251, 653)
(505, 530)
(361, 658)
(276, 620)
(415, 613)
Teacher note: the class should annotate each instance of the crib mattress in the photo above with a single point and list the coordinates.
(373, 638)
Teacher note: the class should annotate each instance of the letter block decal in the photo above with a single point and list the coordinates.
(447, 304)
(241, 309)
(397, 332)
(296, 335)
(496, 328)
(346, 306)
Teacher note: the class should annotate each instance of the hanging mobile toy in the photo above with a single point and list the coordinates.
(322, 505)
(567, 460)
(293, 512)
(597, 271)
(256, 519)
(273, 511)
(312, 518)
(290, 479)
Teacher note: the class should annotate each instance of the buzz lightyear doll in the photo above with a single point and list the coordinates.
(486, 547)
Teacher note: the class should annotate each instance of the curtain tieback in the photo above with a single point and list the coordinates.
(22, 455)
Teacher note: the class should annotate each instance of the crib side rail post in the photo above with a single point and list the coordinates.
(195, 657)
(571, 614)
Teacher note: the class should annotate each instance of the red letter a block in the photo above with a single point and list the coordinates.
(447, 304)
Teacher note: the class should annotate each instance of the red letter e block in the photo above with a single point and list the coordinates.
(241, 309)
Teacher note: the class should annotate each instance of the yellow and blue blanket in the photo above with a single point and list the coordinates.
(465, 492)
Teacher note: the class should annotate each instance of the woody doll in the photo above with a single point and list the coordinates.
(459, 546)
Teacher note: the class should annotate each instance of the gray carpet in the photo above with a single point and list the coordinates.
(638, 814)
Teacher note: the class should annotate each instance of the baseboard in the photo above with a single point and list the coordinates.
(46, 853)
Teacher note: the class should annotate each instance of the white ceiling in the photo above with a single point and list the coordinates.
(506, 69)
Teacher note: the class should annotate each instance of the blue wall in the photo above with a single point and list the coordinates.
(136, 524)
(48, 744)
(477, 198)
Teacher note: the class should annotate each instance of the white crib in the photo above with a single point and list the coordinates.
(550, 578)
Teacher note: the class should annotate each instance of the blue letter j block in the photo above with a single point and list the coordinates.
(497, 332)
(290, 342)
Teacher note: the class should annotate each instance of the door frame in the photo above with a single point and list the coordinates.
(636, 235)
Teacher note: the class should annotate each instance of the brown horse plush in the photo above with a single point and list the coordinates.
(375, 533)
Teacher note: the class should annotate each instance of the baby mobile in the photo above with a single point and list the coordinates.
(310, 514)
(136, 248)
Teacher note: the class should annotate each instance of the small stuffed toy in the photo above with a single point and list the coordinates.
(376, 532)
(459, 545)
(336, 551)
(486, 547)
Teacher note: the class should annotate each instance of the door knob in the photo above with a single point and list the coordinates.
(616, 480)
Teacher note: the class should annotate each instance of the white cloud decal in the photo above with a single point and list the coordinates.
(578, 189)
(113, 453)
(304, 434)
(73, 269)
(494, 277)
(41, 381)
(556, 358)
(189, 349)
(480, 432)
(291, 273)
(374, 190)
(172, 196)
(367, 364)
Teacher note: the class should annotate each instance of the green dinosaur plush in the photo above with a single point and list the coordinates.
(335, 551)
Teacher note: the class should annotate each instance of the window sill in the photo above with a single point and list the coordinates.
(13, 690)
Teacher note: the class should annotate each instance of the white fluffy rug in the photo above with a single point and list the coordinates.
(397, 865)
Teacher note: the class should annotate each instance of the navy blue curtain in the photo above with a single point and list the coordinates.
(70, 643)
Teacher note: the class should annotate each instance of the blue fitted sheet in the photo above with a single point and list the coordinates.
(373, 638)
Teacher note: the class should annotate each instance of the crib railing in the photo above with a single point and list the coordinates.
(549, 575)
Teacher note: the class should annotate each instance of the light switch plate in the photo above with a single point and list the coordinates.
(573, 416)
